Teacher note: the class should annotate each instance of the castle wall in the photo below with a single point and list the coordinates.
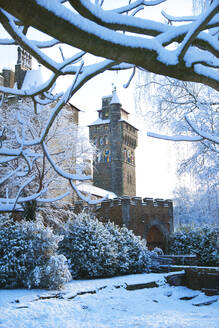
(152, 219)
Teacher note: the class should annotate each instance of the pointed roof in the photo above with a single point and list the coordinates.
(33, 78)
(115, 98)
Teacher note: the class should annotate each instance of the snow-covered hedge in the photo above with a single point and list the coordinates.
(28, 256)
(200, 241)
(96, 249)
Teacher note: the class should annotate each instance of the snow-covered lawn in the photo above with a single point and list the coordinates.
(110, 306)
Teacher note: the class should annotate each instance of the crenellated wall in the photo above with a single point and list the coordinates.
(152, 219)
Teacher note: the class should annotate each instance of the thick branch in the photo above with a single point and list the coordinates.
(57, 21)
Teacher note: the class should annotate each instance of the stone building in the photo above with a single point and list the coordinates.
(116, 140)
(24, 77)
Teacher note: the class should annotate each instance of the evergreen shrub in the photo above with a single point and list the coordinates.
(95, 249)
(200, 241)
(28, 256)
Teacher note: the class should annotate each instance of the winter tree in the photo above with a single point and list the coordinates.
(171, 101)
(67, 143)
(186, 111)
(118, 38)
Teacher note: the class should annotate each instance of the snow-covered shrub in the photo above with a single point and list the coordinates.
(28, 256)
(55, 215)
(88, 247)
(132, 253)
(200, 241)
(96, 249)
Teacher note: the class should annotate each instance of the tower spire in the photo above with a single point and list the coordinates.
(115, 98)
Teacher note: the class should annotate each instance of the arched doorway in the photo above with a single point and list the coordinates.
(155, 238)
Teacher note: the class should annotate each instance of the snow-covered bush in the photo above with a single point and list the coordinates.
(88, 247)
(200, 241)
(28, 256)
(132, 253)
(96, 249)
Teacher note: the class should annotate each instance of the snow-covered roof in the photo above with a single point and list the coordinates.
(33, 78)
(115, 98)
(128, 122)
(88, 188)
(106, 96)
(100, 121)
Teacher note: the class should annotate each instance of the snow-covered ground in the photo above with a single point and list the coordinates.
(111, 306)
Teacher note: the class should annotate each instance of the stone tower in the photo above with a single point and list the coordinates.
(116, 140)
(24, 64)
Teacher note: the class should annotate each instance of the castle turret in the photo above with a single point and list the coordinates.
(116, 140)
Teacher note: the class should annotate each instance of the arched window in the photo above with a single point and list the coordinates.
(101, 141)
(106, 140)
(95, 140)
(124, 155)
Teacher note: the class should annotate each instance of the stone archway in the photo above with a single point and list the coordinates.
(155, 238)
(156, 234)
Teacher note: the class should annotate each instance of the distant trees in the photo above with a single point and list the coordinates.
(185, 111)
(174, 104)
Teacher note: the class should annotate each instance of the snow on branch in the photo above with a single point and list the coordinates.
(54, 199)
(175, 138)
(201, 135)
(136, 4)
(86, 199)
(61, 172)
(178, 19)
(86, 26)
(198, 26)
(97, 31)
(204, 135)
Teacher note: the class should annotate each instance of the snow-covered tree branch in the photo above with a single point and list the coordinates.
(91, 28)
(25, 171)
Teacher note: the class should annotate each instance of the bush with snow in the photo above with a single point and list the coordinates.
(132, 253)
(96, 249)
(200, 241)
(28, 256)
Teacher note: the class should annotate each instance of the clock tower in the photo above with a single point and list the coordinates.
(116, 141)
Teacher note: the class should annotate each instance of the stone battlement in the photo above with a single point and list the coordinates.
(136, 201)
